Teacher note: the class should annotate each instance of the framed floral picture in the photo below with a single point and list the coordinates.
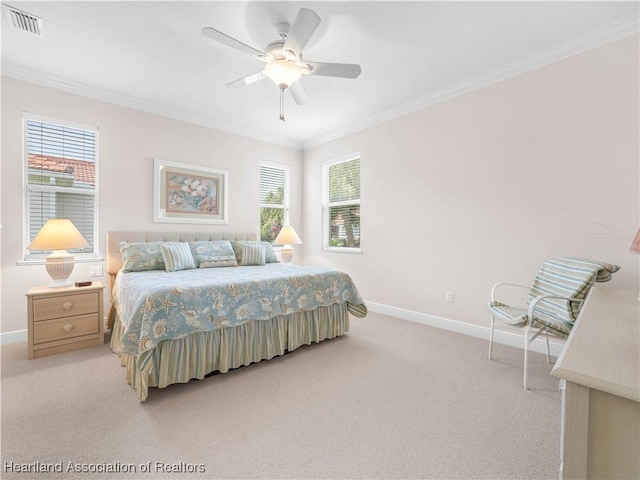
(188, 194)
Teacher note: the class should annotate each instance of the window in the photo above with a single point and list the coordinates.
(274, 200)
(60, 179)
(342, 204)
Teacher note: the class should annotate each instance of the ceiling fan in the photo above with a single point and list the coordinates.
(283, 58)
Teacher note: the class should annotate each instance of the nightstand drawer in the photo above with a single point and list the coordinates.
(65, 306)
(70, 327)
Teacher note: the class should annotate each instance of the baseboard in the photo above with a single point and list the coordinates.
(506, 337)
(16, 336)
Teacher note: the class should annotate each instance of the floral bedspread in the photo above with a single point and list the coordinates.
(159, 305)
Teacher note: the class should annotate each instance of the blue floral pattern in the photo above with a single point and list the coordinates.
(159, 305)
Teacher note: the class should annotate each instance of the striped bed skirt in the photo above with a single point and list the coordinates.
(223, 349)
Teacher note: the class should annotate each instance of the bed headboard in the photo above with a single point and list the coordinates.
(114, 259)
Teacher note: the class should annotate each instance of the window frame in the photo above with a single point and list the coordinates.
(286, 205)
(326, 205)
(39, 258)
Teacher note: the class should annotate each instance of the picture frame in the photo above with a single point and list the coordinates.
(189, 194)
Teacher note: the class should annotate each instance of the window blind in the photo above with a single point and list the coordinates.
(61, 179)
(342, 211)
(271, 185)
(274, 201)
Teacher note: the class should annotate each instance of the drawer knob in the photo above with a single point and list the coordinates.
(68, 327)
(67, 305)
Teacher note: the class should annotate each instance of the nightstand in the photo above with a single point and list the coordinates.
(64, 319)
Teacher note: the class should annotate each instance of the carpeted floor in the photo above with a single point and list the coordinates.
(392, 399)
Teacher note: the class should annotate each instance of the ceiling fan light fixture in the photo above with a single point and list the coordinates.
(282, 72)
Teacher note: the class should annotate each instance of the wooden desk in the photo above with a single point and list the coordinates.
(599, 369)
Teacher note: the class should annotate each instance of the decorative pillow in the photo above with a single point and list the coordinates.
(207, 250)
(253, 254)
(177, 256)
(222, 261)
(141, 256)
(270, 254)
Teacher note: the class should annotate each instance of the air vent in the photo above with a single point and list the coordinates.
(24, 21)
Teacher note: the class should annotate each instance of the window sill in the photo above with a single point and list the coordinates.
(77, 260)
(342, 250)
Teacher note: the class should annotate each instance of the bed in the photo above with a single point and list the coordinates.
(176, 316)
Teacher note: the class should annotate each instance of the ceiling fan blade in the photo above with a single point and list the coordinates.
(241, 82)
(303, 27)
(225, 39)
(298, 93)
(344, 70)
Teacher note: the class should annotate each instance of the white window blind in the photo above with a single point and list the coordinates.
(274, 200)
(60, 179)
(342, 204)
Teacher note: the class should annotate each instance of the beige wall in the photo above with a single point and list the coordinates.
(457, 196)
(483, 187)
(129, 141)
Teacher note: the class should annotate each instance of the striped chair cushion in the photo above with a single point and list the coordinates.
(565, 277)
(177, 256)
(519, 317)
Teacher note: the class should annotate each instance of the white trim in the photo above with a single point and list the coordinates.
(58, 121)
(17, 336)
(505, 337)
(26, 74)
(78, 259)
(609, 33)
(27, 187)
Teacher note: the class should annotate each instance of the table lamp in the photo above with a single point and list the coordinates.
(58, 234)
(287, 237)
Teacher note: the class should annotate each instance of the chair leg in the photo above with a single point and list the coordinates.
(526, 356)
(491, 338)
(546, 336)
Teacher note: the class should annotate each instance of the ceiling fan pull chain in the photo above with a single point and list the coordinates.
(282, 104)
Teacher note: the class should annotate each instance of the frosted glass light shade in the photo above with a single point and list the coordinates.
(282, 72)
(58, 234)
(287, 237)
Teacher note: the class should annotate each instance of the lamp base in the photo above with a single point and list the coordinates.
(286, 253)
(60, 283)
(59, 266)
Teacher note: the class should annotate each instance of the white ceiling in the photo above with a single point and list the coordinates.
(152, 55)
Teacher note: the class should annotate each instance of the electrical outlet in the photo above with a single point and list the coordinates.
(450, 296)
(95, 271)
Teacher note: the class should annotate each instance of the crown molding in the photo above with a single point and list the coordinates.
(37, 77)
(607, 34)
(604, 35)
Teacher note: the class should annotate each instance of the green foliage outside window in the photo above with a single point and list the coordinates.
(344, 204)
(272, 218)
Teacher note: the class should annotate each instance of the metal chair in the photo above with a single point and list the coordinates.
(554, 301)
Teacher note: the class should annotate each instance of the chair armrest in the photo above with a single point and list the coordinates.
(505, 284)
(534, 302)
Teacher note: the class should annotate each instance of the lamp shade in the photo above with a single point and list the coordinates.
(58, 234)
(287, 236)
(635, 245)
